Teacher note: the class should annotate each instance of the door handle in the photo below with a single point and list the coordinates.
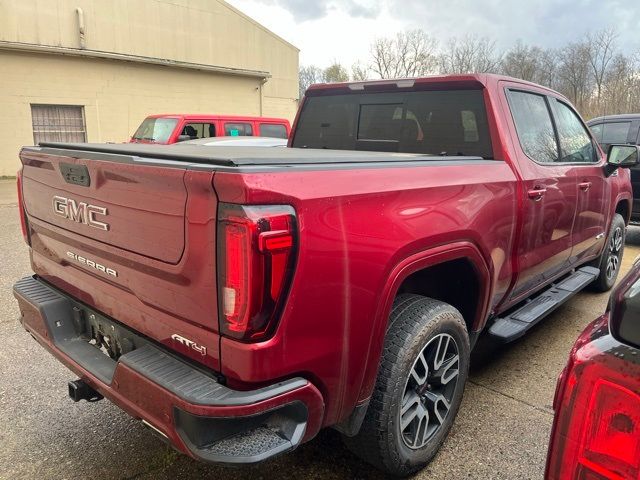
(584, 186)
(536, 193)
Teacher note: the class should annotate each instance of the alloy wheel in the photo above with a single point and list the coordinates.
(429, 391)
(615, 248)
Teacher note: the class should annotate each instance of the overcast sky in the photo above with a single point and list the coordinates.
(327, 30)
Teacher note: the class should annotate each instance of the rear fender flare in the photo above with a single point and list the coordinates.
(419, 261)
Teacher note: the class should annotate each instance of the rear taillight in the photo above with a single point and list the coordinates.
(596, 433)
(609, 445)
(23, 216)
(256, 250)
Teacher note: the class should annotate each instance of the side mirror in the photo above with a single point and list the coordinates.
(184, 138)
(624, 156)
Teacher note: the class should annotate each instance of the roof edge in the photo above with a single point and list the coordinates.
(165, 62)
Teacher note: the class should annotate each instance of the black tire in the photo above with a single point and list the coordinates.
(417, 324)
(611, 259)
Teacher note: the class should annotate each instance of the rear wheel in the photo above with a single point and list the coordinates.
(419, 388)
(611, 259)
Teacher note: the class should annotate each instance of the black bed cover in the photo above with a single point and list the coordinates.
(236, 156)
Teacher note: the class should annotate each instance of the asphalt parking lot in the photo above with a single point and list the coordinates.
(501, 431)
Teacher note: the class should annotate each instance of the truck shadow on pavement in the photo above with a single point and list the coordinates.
(323, 457)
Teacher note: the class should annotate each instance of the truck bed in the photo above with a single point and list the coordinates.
(239, 156)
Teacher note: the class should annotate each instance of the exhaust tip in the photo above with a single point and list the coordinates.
(79, 390)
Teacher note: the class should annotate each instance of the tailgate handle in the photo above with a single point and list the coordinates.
(75, 174)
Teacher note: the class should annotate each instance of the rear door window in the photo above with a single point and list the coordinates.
(575, 142)
(273, 130)
(238, 129)
(534, 126)
(430, 122)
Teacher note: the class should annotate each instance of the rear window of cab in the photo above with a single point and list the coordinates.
(443, 122)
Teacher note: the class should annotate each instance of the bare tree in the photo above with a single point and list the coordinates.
(523, 61)
(359, 72)
(548, 68)
(601, 50)
(409, 54)
(621, 88)
(574, 74)
(307, 76)
(590, 72)
(384, 58)
(335, 73)
(471, 54)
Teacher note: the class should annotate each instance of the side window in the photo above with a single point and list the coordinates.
(208, 130)
(615, 132)
(575, 143)
(199, 130)
(534, 126)
(273, 130)
(238, 130)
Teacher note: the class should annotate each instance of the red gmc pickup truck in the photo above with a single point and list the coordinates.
(238, 300)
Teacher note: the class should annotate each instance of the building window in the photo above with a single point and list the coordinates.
(58, 123)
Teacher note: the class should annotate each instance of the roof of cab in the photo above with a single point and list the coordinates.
(458, 81)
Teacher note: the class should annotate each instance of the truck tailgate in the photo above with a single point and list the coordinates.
(134, 240)
(144, 206)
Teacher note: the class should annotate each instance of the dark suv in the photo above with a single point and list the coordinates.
(616, 129)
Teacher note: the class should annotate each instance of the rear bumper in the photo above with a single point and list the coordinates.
(187, 406)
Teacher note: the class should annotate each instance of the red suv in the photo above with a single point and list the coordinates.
(166, 128)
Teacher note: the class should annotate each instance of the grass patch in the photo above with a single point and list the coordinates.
(7, 177)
